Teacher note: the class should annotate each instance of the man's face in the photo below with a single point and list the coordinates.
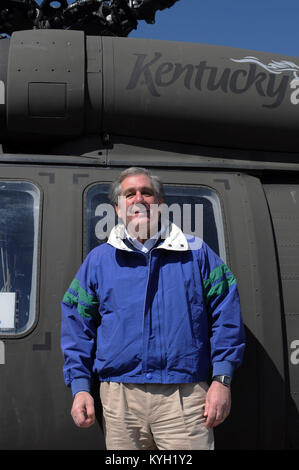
(138, 206)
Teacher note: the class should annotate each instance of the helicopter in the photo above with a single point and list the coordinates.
(79, 102)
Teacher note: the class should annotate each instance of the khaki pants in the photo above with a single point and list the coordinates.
(155, 416)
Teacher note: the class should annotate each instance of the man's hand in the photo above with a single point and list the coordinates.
(218, 403)
(82, 410)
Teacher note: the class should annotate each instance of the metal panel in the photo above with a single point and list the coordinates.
(46, 82)
(196, 93)
(283, 202)
(260, 384)
(163, 90)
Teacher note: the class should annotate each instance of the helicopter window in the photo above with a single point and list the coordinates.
(19, 216)
(196, 210)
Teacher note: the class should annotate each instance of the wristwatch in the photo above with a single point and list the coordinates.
(223, 379)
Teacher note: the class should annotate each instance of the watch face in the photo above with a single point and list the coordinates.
(224, 379)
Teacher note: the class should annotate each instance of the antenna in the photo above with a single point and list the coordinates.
(95, 17)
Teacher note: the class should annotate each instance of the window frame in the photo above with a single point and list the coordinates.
(219, 215)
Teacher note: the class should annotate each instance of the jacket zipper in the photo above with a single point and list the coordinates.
(161, 327)
(145, 356)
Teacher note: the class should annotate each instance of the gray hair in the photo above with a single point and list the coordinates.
(115, 189)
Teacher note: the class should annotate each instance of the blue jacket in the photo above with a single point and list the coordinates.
(170, 316)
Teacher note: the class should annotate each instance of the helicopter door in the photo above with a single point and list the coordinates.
(283, 203)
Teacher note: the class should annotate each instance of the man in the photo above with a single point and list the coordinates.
(150, 312)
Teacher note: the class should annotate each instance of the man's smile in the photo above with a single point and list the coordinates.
(138, 209)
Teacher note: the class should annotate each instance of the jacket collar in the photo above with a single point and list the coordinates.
(175, 239)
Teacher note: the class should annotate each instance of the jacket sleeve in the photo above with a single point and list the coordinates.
(80, 320)
(227, 333)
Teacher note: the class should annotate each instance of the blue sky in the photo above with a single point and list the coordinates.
(264, 25)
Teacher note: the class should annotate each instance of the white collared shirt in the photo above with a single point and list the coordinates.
(146, 246)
